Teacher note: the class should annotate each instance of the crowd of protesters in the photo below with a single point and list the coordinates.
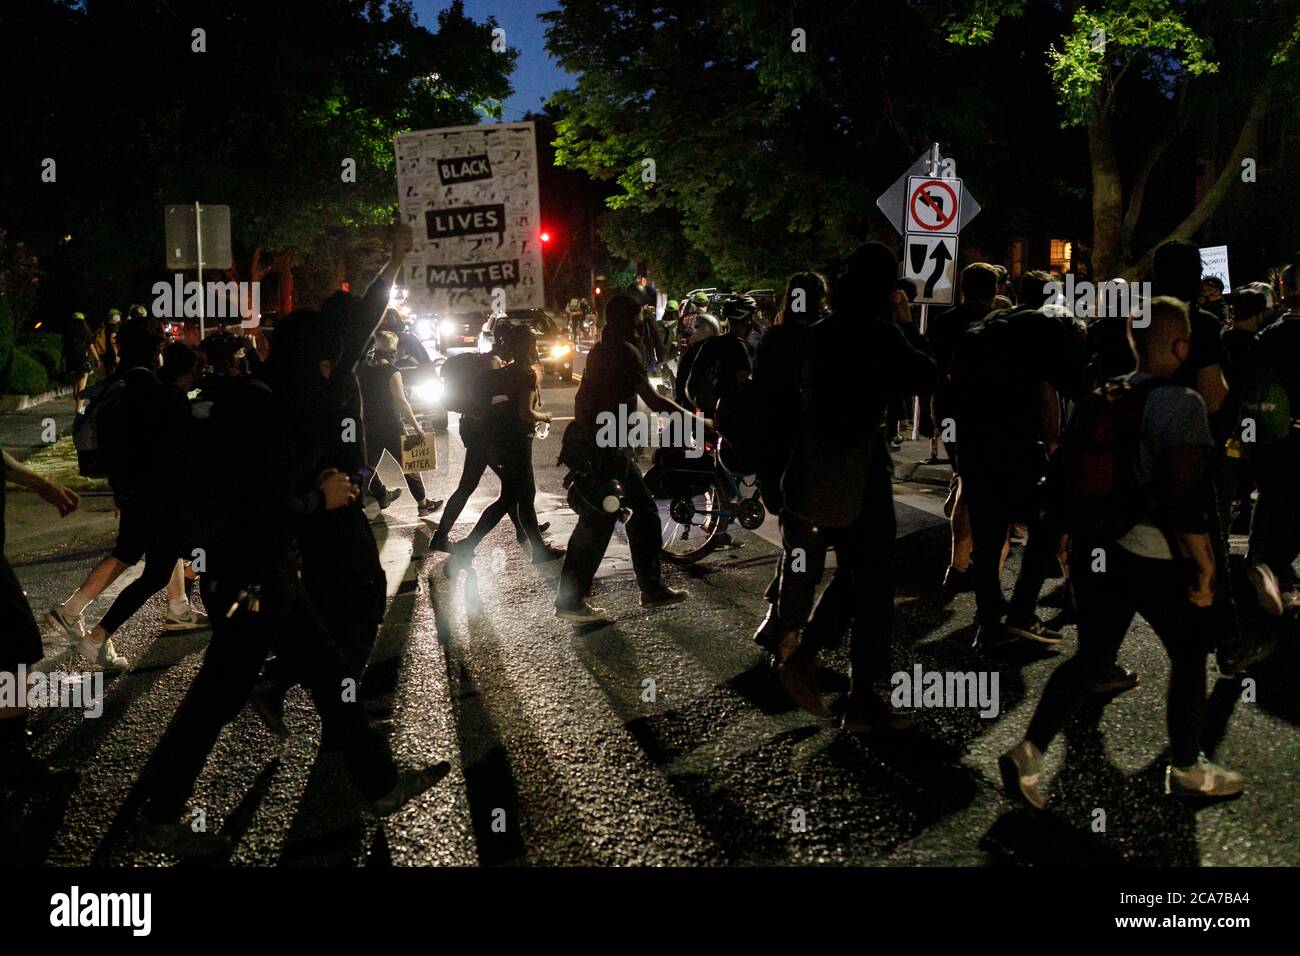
(1125, 449)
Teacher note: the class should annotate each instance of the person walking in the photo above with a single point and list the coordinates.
(387, 414)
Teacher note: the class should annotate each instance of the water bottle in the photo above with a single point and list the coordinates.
(541, 430)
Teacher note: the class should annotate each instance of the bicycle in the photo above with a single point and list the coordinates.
(702, 505)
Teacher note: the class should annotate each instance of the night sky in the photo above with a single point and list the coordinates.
(536, 75)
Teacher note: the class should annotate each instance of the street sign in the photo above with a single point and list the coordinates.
(933, 205)
(1214, 262)
(183, 244)
(931, 262)
(893, 201)
(470, 195)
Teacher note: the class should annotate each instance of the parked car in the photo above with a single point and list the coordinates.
(553, 345)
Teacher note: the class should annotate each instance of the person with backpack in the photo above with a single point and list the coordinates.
(1008, 372)
(1275, 525)
(723, 361)
(136, 413)
(387, 413)
(614, 379)
(838, 485)
(465, 391)
(1132, 465)
(511, 417)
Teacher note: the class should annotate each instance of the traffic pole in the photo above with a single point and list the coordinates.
(198, 243)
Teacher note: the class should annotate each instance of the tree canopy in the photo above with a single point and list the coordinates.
(119, 95)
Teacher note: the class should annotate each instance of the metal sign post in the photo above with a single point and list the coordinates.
(198, 244)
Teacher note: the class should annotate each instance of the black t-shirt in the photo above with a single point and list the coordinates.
(1112, 357)
(997, 380)
(721, 358)
(946, 328)
(613, 374)
(504, 386)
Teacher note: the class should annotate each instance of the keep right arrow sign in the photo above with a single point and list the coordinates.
(931, 262)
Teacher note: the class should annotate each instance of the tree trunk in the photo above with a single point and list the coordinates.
(1246, 142)
(1107, 195)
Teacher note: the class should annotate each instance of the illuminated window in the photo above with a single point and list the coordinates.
(1061, 255)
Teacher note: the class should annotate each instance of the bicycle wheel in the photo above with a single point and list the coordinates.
(691, 524)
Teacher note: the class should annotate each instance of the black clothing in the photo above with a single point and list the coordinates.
(778, 370)
(1107, 602)
(852, 367)
(614, 373)
(715, 369)
(145, 433)
(76, 347)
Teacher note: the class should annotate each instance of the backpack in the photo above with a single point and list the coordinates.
(1093, 474)
(1265, 411)
(983, 360)
(88, 426)
(702, 388)
(462, 376)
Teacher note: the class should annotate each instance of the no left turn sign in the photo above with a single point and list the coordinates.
(933, 205)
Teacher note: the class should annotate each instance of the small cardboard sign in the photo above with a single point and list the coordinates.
(419, 454)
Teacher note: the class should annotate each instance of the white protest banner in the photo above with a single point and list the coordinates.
(469, 194)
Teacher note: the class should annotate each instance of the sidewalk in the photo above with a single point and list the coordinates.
(911, 463)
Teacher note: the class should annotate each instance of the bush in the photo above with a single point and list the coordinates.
(46, 348)
(27, 376)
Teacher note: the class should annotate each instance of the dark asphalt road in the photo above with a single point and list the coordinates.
(560, 756)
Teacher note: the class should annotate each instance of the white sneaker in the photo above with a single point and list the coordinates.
(188, 620)
(74, 628)
(1203, 779)
(102, 655)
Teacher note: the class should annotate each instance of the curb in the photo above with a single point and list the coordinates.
(924, 472)
(17, 403)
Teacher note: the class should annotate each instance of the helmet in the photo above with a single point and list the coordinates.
(593, 497)
(672, 304)
(700, 299)
(739, 308)
(114, 313)
(706, 326)
(79, 315)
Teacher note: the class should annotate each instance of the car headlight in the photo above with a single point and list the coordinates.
(448, 327)
(559, 351)
(430, 391)
(423, 329)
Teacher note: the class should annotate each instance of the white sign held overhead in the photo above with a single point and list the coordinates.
(469, 194)
(933, 205)
(1214, 262)
(931, 262)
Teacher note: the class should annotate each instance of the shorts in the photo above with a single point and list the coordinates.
(137, 532)
(20, 638)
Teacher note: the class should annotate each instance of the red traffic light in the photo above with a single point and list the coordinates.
(545, 237)
(597, 290)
